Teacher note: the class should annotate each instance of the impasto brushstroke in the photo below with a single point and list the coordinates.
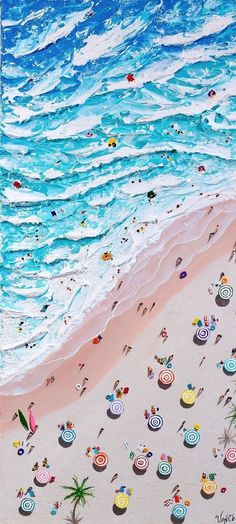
(155, 76)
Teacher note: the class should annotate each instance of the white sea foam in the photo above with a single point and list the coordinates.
(50, 35)
(106, 43)
(216, 24)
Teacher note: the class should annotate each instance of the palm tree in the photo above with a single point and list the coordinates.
(232, 415)
(78, 495)
(227, 438)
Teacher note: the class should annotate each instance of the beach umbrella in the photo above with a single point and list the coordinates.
(32, 422)
(230, 366)
(68, 436)
(164, 468)
(100, 460)
(191, 437)
(116, 407)
(203, 333)
(230, 456)
(27, 505)
(209, 487)
(141, 463)
(188, 397)
(225, 292)
(23, 420)
(166, 377)
(121, 501)
(155, 422)
(179, 512)
(42, 477)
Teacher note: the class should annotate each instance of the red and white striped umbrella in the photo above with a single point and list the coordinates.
(166, 377)
(141, 462)
(230, 456)
(100, 460)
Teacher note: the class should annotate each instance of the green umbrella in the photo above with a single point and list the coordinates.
(23, 420)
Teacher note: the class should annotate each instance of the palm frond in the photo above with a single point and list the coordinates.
(227, 438)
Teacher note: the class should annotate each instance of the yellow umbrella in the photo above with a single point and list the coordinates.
(188, 397)
(209, 487)
(121, 501)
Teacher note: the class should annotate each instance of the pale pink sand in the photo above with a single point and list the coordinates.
(127, 327)
(89, 414)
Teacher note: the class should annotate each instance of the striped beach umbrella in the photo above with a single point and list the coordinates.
(27, 505)
(155, 422)
(191, 437)
(42, 476)
(179, 511)
(230, 456)
(141, 463)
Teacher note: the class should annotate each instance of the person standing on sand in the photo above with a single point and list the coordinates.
(100, 432)
(139, 306)
(120, 284)
(116, 384)
(124, 348)
(114, 305)
(181, 426)
(228, 400)
(82, 391)
(200, 391)
(114, 477)
(203, 358)
(213, 233)
(178, 261)
(144, 311)
(152, 306)
(218, 339)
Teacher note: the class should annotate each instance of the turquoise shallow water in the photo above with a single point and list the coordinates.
(65, 94)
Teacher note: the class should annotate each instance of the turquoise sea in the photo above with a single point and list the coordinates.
(115, 115)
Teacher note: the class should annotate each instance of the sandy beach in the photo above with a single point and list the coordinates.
(177, 303)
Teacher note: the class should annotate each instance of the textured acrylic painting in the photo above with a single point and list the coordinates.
(118, 262)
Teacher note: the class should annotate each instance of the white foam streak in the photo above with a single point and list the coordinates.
(106, 43)
(215, 25)
(50, 35)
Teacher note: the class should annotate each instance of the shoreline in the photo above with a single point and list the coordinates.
(67, 374)
(158, 238)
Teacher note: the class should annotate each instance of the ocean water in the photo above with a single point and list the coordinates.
(67, 196)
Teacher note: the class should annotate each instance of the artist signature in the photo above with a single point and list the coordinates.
(225, 518)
